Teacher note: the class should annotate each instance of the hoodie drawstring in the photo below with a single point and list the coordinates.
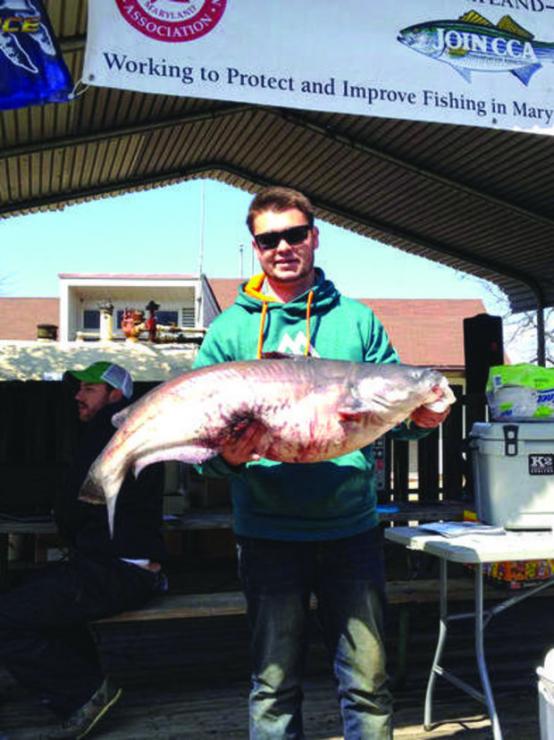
(307, 349)
(261, 331)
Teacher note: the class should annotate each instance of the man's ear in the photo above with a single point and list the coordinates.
(315, 237)
(115, 395)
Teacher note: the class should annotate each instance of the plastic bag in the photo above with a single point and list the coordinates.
(521, 392)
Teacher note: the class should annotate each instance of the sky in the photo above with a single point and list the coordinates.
(200, 226)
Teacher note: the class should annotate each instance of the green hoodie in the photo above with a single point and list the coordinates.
(314, 501)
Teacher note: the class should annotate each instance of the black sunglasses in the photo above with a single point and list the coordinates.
(272, 239)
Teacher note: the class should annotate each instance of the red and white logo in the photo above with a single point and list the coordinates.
(172, 20)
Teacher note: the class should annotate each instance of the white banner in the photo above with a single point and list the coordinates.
(483, 63)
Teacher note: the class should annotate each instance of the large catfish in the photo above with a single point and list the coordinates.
(310, 410)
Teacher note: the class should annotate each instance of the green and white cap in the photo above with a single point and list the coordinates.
(106, 372)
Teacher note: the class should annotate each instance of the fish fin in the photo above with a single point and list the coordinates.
(352, 409)
(276, 356)
(121, 416)
(193, 454)
(110, 504)
(507, 23)
(525, 73)
(466, 74)
(472, 16)
(92, 492)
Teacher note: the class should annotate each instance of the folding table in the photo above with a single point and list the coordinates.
(475, 549)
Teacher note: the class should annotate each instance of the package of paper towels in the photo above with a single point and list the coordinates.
(521, 392)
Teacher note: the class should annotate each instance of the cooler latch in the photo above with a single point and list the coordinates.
(510, 440)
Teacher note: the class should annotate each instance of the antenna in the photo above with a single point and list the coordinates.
(202, 225)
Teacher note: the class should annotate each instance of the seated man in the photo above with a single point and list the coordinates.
(44, 640)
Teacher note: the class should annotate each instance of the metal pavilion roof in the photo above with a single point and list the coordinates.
(476, 199)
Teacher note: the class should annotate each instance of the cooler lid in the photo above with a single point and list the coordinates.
(527, 430)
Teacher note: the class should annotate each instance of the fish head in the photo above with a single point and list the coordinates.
(423, 38)
(403, 387)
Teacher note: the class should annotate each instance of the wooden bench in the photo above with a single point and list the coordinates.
(189, 606)
(179, 606)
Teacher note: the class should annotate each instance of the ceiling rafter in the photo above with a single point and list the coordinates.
(387, 229)
(287, 115)
(71, 140)
(352, 143)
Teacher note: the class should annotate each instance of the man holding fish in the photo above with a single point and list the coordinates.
(44, 638)
(306, 528)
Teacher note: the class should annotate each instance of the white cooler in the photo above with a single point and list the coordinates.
(513, 472)
(546, 697)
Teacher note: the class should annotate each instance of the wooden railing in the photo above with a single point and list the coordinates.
(38, 433)
(437, 467)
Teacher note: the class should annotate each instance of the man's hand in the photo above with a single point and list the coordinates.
(425, 418)
(249, 445)
(430, 415)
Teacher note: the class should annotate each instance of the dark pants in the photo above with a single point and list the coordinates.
(347, 577)
(44, 639)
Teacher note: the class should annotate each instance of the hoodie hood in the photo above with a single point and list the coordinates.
(318, 299)
(252, 299)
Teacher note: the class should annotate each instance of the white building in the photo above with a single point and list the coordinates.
(185, 302)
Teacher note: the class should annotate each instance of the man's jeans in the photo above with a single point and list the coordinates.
(347, 578)
(44, 638)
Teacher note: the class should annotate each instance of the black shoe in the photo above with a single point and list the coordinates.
(84, 719)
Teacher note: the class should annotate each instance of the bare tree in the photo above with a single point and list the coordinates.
(520, 330)
(523, 326)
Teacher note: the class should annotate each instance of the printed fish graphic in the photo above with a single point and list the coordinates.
(474, 44)
(310, 409)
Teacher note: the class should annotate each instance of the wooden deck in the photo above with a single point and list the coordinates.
(189, 680)
(171, 712)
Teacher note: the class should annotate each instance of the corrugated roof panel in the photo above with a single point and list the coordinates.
(455, 194)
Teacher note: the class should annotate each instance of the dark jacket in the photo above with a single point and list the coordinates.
(138, 517)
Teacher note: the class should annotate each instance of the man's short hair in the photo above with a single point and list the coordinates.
(106, 372)
(279, 199)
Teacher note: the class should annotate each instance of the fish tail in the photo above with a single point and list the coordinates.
(92, 491)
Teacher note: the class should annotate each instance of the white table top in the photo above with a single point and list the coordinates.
(475, 548)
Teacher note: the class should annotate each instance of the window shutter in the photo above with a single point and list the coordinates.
(187, 313)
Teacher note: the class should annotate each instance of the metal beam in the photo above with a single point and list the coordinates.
(253, 178)
(72, 43)
(78, 42)
(35, 147)
(329, 133)
(286, 115)
(416, 239)
(76, 196)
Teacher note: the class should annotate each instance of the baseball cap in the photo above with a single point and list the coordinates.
(106, 372)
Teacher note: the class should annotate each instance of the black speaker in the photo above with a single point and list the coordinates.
(483, 348)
